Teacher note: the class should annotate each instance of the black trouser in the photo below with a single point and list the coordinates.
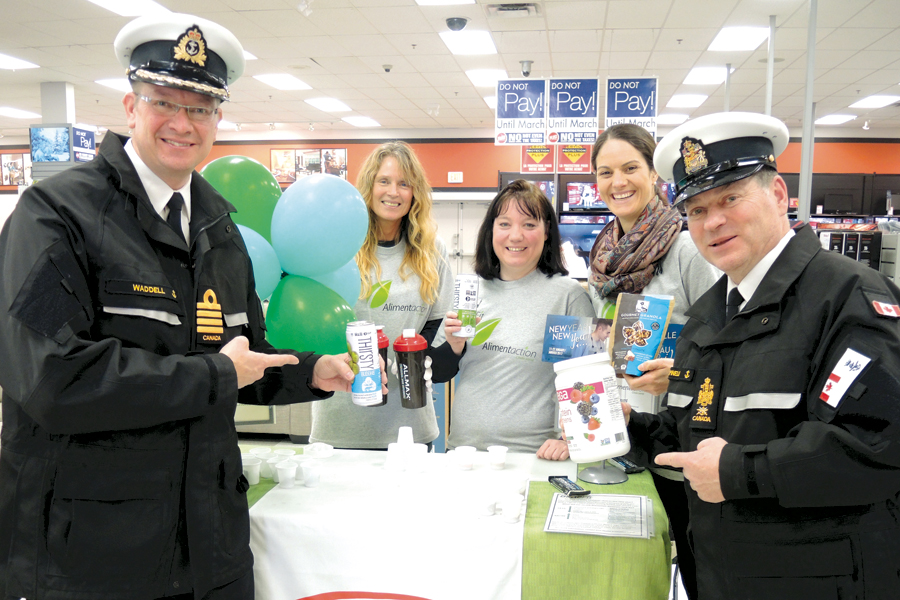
(674, 499)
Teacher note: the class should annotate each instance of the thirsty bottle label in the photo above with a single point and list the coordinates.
(465, 301)
(362, 338)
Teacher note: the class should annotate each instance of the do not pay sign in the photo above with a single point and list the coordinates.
(632, 100)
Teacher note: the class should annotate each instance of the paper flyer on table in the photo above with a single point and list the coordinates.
(616, 515)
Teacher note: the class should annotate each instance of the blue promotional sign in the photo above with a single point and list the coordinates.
(521, 117)
(632, 100)
(83, 145)
(573, 116)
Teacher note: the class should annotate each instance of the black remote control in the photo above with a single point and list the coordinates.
(620, 462)
(568, 487)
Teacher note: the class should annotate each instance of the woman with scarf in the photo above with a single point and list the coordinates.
(644, 251)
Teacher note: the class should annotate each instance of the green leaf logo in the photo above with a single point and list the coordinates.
(484, 330)
(380, 293)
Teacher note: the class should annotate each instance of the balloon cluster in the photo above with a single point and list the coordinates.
(302, 244)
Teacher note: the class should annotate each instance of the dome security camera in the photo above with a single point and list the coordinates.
(387, 68)
(456, 23)
(526, 67)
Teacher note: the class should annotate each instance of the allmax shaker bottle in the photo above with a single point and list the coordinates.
(409, 349)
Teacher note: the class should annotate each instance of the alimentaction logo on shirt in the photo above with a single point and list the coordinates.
(483, 333)
(379, 299)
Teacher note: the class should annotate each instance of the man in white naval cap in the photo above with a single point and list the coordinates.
(784, 399)
(130, 329)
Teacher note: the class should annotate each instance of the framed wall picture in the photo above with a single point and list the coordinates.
(284, 165)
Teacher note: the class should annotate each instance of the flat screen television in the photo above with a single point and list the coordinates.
(838, 203)
(581, 236)
(582, 195)
(51, 143)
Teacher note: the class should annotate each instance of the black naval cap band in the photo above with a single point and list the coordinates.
(722, 162)
(701, 183)
(153, 62)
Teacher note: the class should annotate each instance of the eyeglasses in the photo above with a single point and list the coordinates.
(199, 114)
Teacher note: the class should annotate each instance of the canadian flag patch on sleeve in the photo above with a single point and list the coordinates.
(883, 304)
(886, 310)
(848, 368)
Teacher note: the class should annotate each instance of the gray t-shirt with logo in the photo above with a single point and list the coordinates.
(396, 304)
(506, 394)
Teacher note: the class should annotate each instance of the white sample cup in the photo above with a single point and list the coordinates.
(416, 458)
(260, 452)
(311, 473)
(511, 507)
(270, 465)
(285, 453)
(465, 457)
(287, 470)
(405, 435)
(251, 469)
(497, 456)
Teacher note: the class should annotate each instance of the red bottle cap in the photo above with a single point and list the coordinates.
(383, 340)
(410, 341)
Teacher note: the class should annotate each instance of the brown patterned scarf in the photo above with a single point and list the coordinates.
(625, 263)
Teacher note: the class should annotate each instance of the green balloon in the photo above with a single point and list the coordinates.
(304, 315)
(250, 186)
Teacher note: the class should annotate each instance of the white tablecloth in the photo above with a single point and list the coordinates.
(385, 534)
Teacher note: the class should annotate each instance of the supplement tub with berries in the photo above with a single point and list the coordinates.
(589, 409)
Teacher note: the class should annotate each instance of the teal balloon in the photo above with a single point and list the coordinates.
(319, 224)
(345, 281)
(306, 316)
(266, 268)
(250, 187)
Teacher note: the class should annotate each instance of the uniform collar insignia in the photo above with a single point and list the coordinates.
(191, 47)
(694, 154)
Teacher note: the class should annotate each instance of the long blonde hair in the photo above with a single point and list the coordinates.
(418, 226)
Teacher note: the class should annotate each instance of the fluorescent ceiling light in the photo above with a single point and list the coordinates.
(131, 8)
(469, 42)
(85, 127)
(876, 102)
(443, 2)
(12, 63)
(834, 119)
(249, 56)
(120, 84)
(686, 100)
(491, 101)
(361, 121)
(328, 104)
(282, 81)
(706, 76)
(15, 113)
(223, 124)
(735, 39)
(486, 77)
(671, 119)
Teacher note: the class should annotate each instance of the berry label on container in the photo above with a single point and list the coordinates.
(591, 416)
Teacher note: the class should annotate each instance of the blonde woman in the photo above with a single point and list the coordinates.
(406, 284)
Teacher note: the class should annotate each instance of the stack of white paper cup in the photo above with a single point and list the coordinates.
(250, 467)
(497, 456)
(286, 470)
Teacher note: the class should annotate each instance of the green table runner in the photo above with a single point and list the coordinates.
(265, 484)
(608, 567)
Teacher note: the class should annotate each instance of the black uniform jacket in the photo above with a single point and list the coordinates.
(811, 476)
(118, 410)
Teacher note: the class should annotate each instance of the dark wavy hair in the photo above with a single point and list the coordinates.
(529, 201)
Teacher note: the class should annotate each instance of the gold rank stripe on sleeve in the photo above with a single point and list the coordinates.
(209, 314)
